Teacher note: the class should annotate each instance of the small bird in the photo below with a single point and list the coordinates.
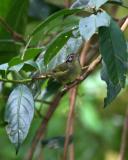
(68, 71)
(65, 72)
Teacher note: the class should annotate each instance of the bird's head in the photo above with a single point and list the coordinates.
(70, 58)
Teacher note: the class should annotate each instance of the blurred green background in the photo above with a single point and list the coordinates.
(98, 131)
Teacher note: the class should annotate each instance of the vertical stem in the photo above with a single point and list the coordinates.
(71, 147)
(41, 130)
(67, 3)
(124, 138)
(69, 129)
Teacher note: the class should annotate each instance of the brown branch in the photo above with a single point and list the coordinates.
(125, 25)
(40, 132)
(16, 36)
(124, 138)
(67, 3)
(84, 53)
(69, 129)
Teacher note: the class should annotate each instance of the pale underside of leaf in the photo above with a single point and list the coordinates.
(89, 25)
(19, 114)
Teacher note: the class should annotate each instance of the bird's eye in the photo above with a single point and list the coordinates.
(70, 58)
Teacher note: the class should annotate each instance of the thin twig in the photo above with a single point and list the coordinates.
(124, 138)
(125, 25)
(69, 129)
(43, 101)
(16, 36)
(15, 81)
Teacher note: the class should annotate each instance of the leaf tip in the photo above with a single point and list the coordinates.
(17, 148)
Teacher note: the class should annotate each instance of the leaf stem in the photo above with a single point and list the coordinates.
(23, 54)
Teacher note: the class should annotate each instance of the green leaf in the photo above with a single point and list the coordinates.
(114, 52)
(51, 18)
(30, 53)
(119, 2)
(112, 90)
(89, 25)
(52, 87)
(56, 45)
(16, 68)
(19, 114)
(30, 66)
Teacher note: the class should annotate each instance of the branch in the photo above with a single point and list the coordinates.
(124, 138)
(16, 36)
(125, 25)
(40, 132)
(67, 3)
(69, 129)
(15, 81)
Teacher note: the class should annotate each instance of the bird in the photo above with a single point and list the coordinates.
(68, 71)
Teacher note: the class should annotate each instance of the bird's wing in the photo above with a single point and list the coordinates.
(61, 68)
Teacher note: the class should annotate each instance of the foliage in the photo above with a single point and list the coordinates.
(27, 59)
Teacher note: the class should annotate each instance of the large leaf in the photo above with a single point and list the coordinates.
(112, 90)
(15, 15)
(56, 45)
(89, 25)
(30, 53)
(51, 18)
(114, 52)
(19, 114)
(52, 87)
(88, 3)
